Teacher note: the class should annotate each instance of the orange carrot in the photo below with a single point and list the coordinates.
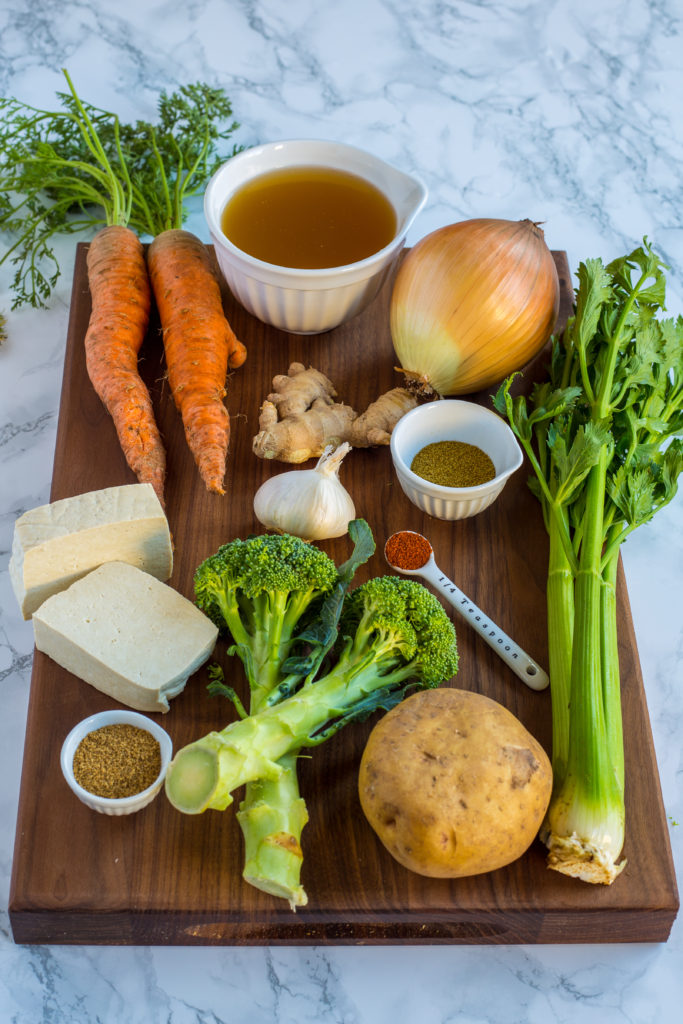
(121, 299)
(199, 344)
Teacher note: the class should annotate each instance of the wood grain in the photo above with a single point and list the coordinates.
(159, 877)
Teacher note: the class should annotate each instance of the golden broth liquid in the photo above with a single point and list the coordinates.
(309, 217)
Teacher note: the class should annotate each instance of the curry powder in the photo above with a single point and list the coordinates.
(453, 464)
(117, 761)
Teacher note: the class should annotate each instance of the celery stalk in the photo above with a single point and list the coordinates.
(610, 668)
(586, 819)
(560, 603)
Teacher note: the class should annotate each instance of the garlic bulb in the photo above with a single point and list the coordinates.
(308, 503)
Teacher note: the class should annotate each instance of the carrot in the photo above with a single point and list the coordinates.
(121, 300)
(199, 345)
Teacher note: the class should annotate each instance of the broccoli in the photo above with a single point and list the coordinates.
(257, 591)
(394, 637)
(278, 599)
(404, 627)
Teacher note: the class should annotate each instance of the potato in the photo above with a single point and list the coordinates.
(453, 784)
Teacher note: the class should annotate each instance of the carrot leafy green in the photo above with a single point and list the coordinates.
(79, 167)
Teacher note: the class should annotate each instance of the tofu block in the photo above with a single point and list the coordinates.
(56, 544)
(127, 634)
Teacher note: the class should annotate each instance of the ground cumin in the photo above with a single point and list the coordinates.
(453, 464)
(117, 760)
(407, 550)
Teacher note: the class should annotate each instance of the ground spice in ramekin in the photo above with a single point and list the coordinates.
(453, 464)
(407, 550)
(117, 761)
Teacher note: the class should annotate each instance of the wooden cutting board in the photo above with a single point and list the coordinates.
(159, 877)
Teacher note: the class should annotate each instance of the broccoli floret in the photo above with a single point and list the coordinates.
(247, 578)
(404, 628)
(401, 614)
(257, 590)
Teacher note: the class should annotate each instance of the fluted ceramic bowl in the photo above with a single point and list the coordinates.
(121, 805)
(453, 420)
(305, 301)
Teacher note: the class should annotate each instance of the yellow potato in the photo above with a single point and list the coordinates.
(453, 784)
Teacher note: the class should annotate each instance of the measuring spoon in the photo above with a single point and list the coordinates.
(529, 671)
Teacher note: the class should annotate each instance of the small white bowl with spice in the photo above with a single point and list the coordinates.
(116, 761)
(453, 457)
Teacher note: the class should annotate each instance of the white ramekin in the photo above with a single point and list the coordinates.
(453, 420)
(126, 804)
(308, 301)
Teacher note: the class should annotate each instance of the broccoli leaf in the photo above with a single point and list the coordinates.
(321, 631)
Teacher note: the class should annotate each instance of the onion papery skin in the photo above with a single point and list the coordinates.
(471, 303)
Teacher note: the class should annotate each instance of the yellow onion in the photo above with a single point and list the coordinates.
(472, 302)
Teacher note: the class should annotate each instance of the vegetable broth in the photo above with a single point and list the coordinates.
(309, 218)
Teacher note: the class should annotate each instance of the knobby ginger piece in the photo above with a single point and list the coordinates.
(375, 425)
(297, 390)
(305, 436)
(56, 544)
(127, 634)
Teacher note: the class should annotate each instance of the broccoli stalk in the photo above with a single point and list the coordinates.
(395, 637)
(272, 817)
(264, 591)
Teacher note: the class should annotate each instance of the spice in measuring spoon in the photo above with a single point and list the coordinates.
(453, 464)
(117, 761)
(407, 550)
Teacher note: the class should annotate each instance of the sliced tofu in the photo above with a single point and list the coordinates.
(56, 544)
(127, 634)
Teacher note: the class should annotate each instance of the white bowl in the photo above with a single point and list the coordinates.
(453, 420)
(308, 301)
(126, 804)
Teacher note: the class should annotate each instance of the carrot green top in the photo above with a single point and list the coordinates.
(80, 168)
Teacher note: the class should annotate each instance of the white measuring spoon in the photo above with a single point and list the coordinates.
(529, 671)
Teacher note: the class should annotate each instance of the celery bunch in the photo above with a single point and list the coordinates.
(599, 434)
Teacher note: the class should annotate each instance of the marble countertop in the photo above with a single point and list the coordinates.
(567, 113)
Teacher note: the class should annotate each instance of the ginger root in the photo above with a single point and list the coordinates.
(303, 436)
(299, 418)
(296, 391)
(374, 426)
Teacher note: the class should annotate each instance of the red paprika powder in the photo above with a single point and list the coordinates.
(407, 550)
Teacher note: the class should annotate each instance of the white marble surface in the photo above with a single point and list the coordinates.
(565, 112)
